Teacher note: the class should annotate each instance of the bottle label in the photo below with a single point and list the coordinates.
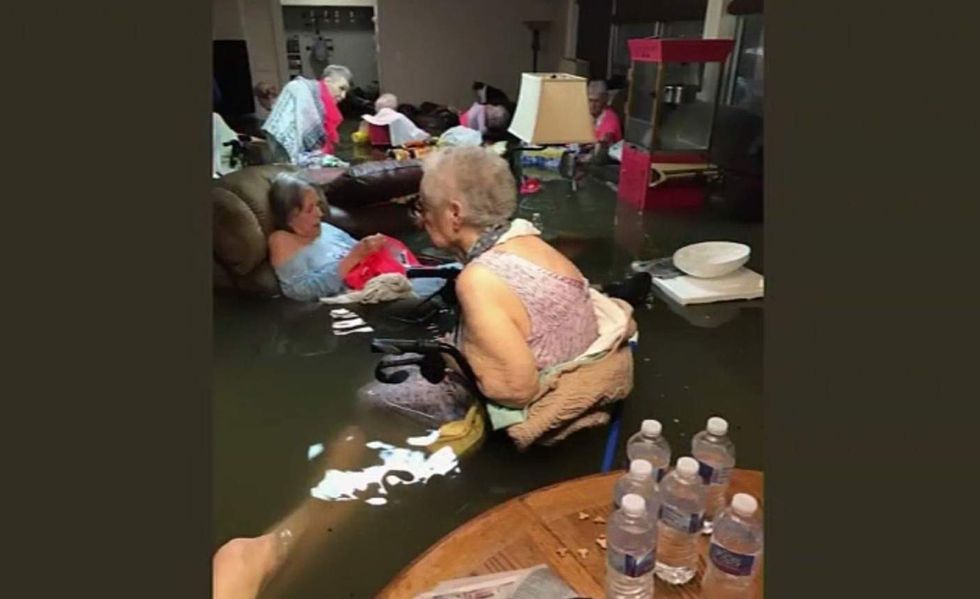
(714, 476)
(729, 562)
(629, 564)
(680, 520)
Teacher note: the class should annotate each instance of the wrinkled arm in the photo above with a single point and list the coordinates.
(492, 342)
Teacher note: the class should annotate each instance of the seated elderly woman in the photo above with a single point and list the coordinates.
(305, 117)
(311, 257)
(608, 129)
(400, 129)
(547, 350)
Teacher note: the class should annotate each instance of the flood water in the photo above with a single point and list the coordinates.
(283, 383)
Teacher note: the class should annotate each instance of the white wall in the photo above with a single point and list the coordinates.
(435, 49)
(226, 20)
(355, 50)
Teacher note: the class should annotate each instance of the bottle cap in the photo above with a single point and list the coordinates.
(641, 468)
(651, 428)
(634, 505)
(717, 426)
(687, 466)
(744, 504)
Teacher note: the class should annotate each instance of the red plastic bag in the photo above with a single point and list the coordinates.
(394, 257)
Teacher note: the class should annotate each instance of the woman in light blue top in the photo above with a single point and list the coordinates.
(310, 257)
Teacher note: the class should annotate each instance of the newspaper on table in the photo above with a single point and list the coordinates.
(538, 582)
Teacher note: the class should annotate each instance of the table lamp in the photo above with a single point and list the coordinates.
(553, 108)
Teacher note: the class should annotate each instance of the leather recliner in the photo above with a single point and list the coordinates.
(360, 201)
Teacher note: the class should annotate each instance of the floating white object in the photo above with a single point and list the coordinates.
(425, 440)
(712, 259)
(349, 331)
(314, 450)
(353, 323)
(743, 284)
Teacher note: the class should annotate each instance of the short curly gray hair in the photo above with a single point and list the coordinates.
(480, 179)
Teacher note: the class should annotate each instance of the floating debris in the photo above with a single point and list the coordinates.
(314, 450)
(599, 520)
(425, 440)
(601, 541)
(583, 553)
(562, 551)
(583, 516)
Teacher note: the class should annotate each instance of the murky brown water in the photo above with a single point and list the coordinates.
(283, 383)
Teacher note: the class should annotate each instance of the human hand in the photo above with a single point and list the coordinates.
(372, 243)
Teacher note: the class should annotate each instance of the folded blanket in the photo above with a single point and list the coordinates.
(573, 395)
(296, 121)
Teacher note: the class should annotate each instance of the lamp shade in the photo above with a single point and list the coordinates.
(553, 108)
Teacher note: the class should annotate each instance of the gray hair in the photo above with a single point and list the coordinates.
(480, 179)
(333, 71)
(598, 88)
(386, 101)
(286, 196)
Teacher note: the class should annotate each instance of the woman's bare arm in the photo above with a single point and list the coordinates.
(493, 342)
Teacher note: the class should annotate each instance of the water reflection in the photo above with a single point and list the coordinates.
(399, 466)
(286, 388)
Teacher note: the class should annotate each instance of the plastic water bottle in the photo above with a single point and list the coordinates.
(650, 445)
(639, 481)
(735, 550)
(631, 544)
(715, 454)
(681, 515)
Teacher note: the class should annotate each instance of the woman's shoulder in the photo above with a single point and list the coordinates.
(540, 253)
(282, 246)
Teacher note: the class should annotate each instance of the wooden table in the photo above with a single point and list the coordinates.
(530, 529)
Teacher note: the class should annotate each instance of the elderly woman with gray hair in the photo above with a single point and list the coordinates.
(400, 129)
(311, 257)
(526, 312)
(305, 116)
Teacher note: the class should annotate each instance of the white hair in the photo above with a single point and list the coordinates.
(480, 179)
(333, 71)
(598, 88)
(386, 101)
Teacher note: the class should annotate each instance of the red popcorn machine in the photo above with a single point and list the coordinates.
(674, 85)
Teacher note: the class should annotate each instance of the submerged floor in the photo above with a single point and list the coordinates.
(283, 383)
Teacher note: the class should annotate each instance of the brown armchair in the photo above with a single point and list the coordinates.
(360, 200)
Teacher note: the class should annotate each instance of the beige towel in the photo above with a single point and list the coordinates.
(382, 288)
(572, 396)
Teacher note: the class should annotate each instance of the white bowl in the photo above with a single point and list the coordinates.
(711, 259)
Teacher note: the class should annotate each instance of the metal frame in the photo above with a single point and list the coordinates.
(728, 92)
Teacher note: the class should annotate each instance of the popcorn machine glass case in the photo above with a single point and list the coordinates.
(672, 100)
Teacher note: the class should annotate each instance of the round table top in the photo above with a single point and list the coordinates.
(536, 529)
